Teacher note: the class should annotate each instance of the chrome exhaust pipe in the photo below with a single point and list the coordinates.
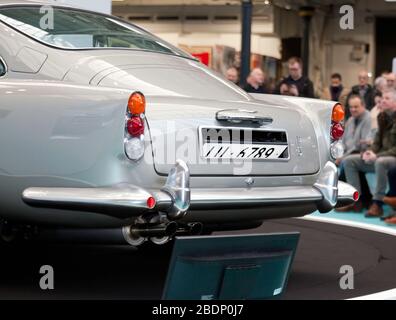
(196, 228)
(168, 230)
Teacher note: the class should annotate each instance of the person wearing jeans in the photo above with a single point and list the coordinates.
(355, 164)
(390, 198)
(379, 159)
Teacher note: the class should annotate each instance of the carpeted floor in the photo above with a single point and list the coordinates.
(358, 217)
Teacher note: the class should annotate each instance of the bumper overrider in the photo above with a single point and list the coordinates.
(176, 199)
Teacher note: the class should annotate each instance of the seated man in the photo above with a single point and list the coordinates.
(357, 128)
(379, 158)
(357, 133)
(390, 199)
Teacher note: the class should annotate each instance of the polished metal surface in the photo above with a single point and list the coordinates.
(345, 194)
(178, 187)
(201, 199)
(327, 184)
(241, 115)
(131, 197)
(166, 230)
(252, 197)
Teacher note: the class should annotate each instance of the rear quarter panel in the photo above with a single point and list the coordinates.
(318, 111)
(58, 135)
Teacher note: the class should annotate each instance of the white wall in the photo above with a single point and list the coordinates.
(103, 6)
(339, 45)
(208, 32)
(268, 46)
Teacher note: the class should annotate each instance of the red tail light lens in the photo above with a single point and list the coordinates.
(356, 196)
(134, 142)
(337, 131)
(135, 126)
(151, 202)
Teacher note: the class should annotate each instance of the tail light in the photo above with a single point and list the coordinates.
(337, 131)
(137, 103)
(338, 114)
(135, 126)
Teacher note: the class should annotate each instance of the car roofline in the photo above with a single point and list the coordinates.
(37, 4)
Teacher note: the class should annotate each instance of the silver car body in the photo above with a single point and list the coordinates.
(62, 127)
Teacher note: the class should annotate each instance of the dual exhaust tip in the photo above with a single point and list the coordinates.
(167, 230)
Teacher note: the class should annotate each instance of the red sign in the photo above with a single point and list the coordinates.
(203, 57)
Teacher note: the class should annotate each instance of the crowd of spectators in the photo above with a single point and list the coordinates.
(370, 129)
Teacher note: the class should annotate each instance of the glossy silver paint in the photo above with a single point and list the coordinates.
(62, 126)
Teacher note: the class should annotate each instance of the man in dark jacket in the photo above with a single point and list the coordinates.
(256, 81)
(296, 84)
(380, 158)
(364, 90)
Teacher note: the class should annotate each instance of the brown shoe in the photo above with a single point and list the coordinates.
(356, 207)
(391, 221)
(375, 211)
(390, 201)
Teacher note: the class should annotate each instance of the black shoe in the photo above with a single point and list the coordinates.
(388, 217)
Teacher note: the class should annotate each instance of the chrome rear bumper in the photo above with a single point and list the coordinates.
(176, 199)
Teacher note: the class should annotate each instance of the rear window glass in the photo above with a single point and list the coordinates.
(76, 29)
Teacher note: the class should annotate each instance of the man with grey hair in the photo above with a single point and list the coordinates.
(255, 81)
(380, 158)
(232, 75)
(381, 84)
(363, 89)
(391, 80)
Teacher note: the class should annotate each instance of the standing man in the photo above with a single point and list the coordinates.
(390, 199)
(336, 91)
(380, 158)
(391, 80)
(232, 75)
(296, 84)
(365, 90)
(255, 82)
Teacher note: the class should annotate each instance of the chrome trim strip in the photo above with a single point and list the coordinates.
(238, 116)
(132, 198)
(135, 199)
(327, 185)
(178, 187)
(175, 198)
(256, 197)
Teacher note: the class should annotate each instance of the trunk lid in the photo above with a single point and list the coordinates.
(176, 131)
(156, 75)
